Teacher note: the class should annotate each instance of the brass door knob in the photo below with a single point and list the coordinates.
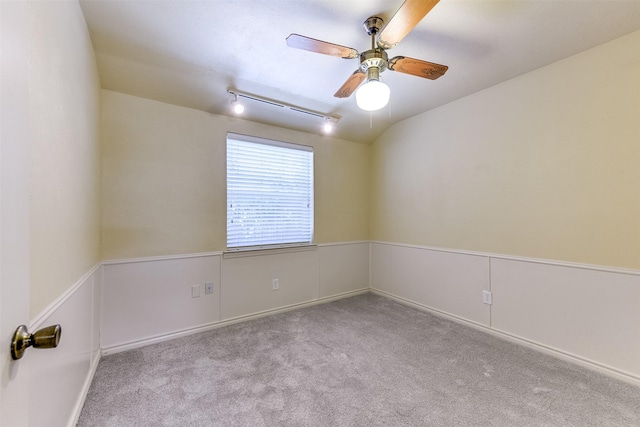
(48, 337)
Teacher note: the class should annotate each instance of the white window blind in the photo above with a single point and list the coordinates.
(269, 193)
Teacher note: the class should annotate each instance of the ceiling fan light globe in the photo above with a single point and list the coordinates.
(372, 95)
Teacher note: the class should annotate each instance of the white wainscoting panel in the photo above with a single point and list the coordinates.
(448, 282)
(247, 282)
(59, 378)
(147, 299)
(587, 314)
(96, 319)
(591, 314)
(343, 268)
(381, 260)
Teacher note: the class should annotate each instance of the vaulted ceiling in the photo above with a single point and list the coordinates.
(189, 53)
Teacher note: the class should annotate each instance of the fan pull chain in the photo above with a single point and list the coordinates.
(370, 119)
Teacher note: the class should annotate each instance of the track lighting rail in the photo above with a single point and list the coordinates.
(332, 118)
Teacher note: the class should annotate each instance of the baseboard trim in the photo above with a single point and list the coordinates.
(569, 357)
(222, 323)
(77, 409)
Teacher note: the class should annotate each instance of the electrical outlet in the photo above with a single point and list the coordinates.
(487, 297)
(195, 291)
(208, 288)
(275, 284)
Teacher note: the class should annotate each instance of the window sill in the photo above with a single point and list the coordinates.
(239, 253)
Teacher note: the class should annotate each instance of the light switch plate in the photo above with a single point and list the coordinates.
(487, 297)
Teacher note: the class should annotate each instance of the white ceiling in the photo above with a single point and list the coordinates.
(189, 53)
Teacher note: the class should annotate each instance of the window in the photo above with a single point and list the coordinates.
(269, 193)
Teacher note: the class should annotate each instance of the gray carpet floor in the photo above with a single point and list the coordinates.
(360, 361)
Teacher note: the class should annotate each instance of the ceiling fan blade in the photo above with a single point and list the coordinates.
(416, 67)
(351, 84)
(307, 43)
(410, 13)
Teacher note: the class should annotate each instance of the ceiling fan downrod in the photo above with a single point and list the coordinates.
(373, 61)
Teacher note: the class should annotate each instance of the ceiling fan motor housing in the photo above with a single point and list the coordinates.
(374, 59)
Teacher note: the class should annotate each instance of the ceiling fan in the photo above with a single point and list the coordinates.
(374, 94)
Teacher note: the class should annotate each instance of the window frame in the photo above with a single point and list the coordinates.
(282, 246)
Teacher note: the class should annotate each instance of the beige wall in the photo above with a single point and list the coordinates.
(545, 165)
(164, 179)
(64, 106)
